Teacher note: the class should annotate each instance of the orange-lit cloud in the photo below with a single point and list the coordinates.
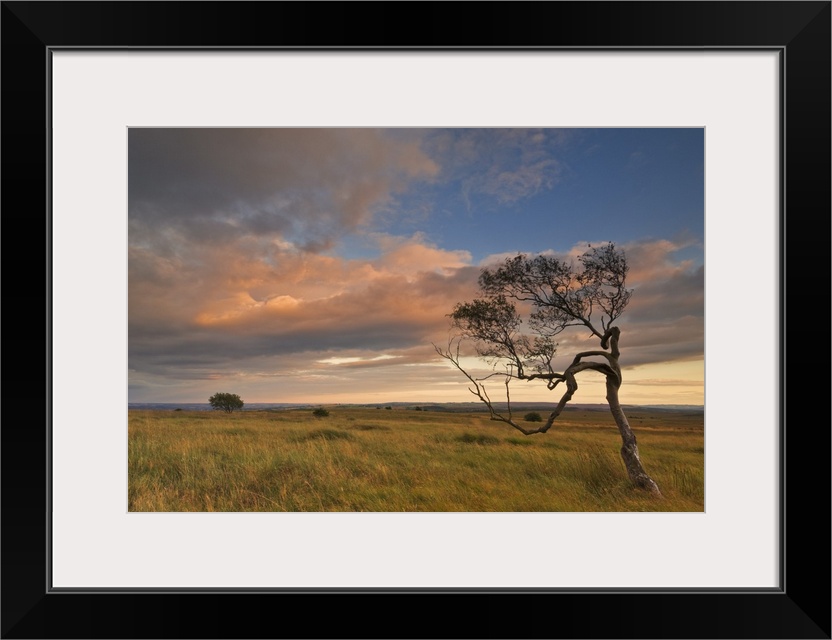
(239, 275)
(333, 316)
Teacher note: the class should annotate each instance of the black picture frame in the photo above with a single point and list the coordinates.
(800, 608)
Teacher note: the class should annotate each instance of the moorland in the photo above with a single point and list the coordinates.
(406, 458)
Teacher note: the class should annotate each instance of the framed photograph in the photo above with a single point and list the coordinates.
(128, 132)
(312, 271)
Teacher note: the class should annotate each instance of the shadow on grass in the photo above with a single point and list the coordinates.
(470, 438)
(326, 434)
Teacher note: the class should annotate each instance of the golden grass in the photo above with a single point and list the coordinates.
(360, 459)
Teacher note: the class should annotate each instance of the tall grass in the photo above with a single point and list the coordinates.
(358, 459)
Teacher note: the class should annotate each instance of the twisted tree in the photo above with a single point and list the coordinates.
(590, 293)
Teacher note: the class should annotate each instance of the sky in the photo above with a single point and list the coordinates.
(320, 265)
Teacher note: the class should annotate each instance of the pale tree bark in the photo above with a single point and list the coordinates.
(629, 447)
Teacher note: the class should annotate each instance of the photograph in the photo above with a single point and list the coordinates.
(416, 319)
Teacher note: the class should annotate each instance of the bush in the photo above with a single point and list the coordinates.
(320, 412)
(227, 402)
(533, 416)
(389, 408)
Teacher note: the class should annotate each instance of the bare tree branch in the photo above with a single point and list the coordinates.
(562, 295)
(480, 392)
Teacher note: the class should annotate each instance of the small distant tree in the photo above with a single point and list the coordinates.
(533, 416)
(589, 294)
(227, 402)
(320, 412)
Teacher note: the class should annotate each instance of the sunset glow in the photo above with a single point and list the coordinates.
(320, 265)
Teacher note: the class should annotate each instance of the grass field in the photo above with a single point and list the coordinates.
(365, 459)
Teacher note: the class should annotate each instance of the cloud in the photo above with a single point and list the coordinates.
(234, 307)
(235, 274)
(309, 185)
(416, 255)
(355, 362)
(500, 165)
(664, 382)
(636, 160)
(665, 289)
(343, 326)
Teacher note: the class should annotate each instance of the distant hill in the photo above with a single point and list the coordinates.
(454, 407)
(518, 407)
(204, 406)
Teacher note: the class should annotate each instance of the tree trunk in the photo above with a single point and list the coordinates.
(629, 448)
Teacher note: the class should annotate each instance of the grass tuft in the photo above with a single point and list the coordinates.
(369, 427)
(599, 470)
(471, 438)
(327, 434)
(688, 482)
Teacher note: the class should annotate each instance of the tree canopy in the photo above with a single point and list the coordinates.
(227, 402)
